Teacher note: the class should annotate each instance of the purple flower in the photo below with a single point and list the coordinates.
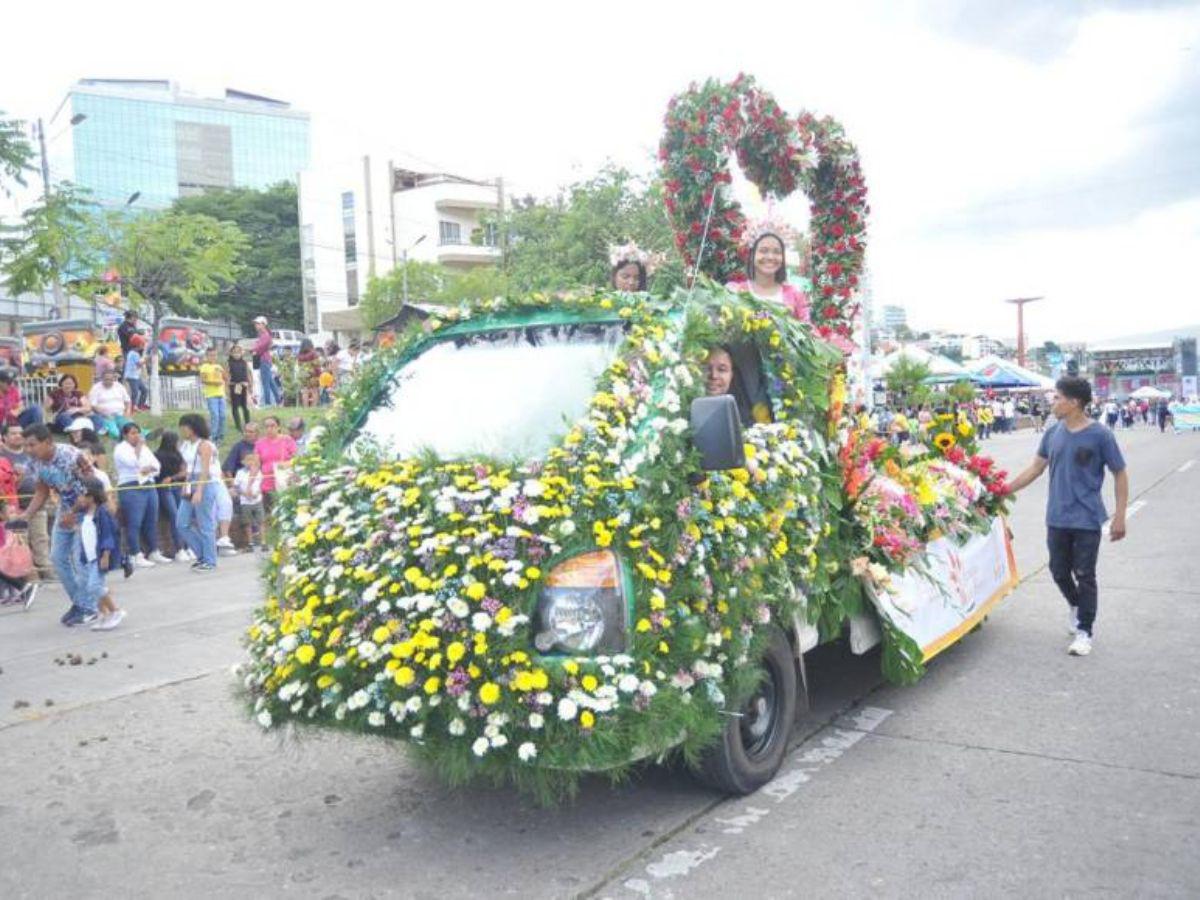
(491, 605)
(457, 682)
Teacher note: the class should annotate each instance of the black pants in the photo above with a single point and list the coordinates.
(1073, 553)
(237, 401)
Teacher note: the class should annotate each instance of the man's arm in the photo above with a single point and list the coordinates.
(1030, 475)
(1116, 528)
(40, 493)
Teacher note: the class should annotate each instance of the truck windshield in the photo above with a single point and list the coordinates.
(507, 394)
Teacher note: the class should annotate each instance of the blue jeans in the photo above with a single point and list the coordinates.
(30, 415)
(270, 391)
(198, 525)
(169, 499)
(139, 508)
(64, 555)
(109, 425)
(138, 392)
(92, 585)
(216, 417)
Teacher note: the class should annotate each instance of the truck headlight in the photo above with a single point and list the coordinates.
(582, 608)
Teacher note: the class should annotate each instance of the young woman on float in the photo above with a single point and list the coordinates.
(766, 270)
(630, 267)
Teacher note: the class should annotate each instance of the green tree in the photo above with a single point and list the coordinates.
(16, 153)
(563, 242)
(906, 381)
(58, 241)
(269, 283)
(429, 283)
(962, 391)
(172, 262)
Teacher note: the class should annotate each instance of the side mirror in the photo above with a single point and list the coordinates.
(717, 433)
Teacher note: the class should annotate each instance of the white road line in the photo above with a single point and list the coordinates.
(1134, 508)
(804, 766)
(1187, 465)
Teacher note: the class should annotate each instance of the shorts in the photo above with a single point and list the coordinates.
(224, 507)
(94, 584)
(252, 515)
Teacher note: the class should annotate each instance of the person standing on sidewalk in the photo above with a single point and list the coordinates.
(63, 469)
(197, 517)
(266, 367)
(13, 449)
(241, 385)
(1077, 450)
(137, 497)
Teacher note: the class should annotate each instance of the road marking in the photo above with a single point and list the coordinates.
(1133, 509)
(803, 768)
(1187, 465)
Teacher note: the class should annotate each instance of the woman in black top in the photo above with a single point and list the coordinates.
(239, 386)
(170, 480)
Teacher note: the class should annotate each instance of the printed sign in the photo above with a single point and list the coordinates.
(1187, 416)
(964, 582)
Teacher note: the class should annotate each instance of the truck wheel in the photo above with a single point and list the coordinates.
(750, 749)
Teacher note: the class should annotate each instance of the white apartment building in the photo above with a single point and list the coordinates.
(361, 221)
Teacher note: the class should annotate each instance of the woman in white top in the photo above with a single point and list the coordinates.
(137, 497)
(197, 519)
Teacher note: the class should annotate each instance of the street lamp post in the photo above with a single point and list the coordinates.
(404, 271)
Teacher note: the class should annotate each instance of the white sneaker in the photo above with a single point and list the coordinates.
(140, 562)
(99, 623)
(111, 621)
(185, 555)
(225, 544)
(1082, 645)
(157, 557)
(1074, 617)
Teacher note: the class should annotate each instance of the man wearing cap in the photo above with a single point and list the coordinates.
(266, 369)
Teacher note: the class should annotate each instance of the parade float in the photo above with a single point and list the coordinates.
(59, 347)
(181, 344)
(529, 545)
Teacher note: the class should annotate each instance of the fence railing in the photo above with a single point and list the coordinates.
(177, 394)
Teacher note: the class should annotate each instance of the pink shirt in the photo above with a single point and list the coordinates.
(273, 451)
(789, 295)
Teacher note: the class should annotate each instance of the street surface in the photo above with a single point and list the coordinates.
(1010, 769)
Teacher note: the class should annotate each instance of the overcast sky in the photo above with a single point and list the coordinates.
(1034, 148)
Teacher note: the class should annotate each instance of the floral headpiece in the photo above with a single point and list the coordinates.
(627, 253)
(777, 227)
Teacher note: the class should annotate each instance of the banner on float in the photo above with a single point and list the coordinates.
(963, 583)
(1187, 415)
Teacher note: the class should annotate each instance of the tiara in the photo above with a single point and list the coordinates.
(780, 229)
(627, 253)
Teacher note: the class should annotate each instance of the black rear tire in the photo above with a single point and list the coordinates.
(751, 748)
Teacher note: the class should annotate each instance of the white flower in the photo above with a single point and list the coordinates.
(566, 527)
(545, 698)
(527, 751)
(417, 732)
(480, 747)
(481, 621)
(533, 488)
(648, 689)
(628, 684)
(376, 718)
(458, 727)
(458, 607)
(499, 740)
(264, 718)
(413, 704)
(567, 709)
(536, 721)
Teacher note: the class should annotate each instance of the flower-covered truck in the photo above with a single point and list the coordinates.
(529, 546)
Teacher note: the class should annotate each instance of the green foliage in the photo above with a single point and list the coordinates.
(269, 281)
(906, 381)
(57, 240)
(962, 391)
(429, 283)
(563, 242)
(16, 154)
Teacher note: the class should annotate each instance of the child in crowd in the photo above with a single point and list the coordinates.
(248, 484)
(13, 590)
(95, 453)
(100, 552)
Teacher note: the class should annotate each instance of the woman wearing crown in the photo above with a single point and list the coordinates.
(630, 267)
(767, 270)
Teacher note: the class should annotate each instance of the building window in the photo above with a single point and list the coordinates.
(449, 233)
(490, 234)
(203, 157)
(349, 238)
(352, 285)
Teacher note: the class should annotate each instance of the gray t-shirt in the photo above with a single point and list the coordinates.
(1077, 462)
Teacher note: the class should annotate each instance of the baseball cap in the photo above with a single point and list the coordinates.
(258, 319)
(80, 424)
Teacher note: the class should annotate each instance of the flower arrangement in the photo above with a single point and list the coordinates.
(779, 154)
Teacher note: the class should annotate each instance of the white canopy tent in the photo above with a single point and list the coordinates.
(942, 369)
(1149, 392)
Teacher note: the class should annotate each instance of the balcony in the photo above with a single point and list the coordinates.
(464, 197)
(461, 253)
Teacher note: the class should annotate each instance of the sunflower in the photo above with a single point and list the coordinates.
(964, 428)
(944, 441)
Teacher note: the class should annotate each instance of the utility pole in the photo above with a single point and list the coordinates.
(392, 208)
(370, 218)
(502, 237)
(1020, 304)
(60, 311)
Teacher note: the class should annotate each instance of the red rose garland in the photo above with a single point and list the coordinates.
(779, 155)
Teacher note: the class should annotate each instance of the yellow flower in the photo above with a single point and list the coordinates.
(305, 654)
(489, 693)
(325, 681)
(432, 684)
(589, 682)
(944, 441)
(476, 590)
(455, 652)
(404, 676)
(964, 428)
(586, 719)
(381, 634)
(327, 659)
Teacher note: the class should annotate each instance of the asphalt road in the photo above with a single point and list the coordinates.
(1011, 768)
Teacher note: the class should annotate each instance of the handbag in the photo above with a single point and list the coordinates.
(16, 559)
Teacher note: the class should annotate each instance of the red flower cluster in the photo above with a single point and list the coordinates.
(780, 155)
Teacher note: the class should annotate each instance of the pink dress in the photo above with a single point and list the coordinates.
(789, 295)
(272, 452)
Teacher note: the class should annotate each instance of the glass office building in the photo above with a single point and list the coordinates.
(151, 139)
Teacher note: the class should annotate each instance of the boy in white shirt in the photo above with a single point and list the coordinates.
(248, 484)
